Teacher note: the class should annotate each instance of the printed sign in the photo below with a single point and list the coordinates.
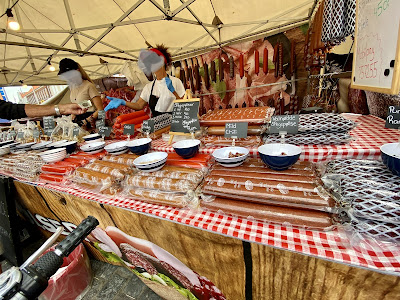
(48, 122)
(148, 126)
(75, 132)
(288, 123)
(236, 130)
(129, 129)
(105, 131)
(101, 114)
(393, 118)
(185, 117)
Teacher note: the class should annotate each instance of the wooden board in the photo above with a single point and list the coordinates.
(275, 274)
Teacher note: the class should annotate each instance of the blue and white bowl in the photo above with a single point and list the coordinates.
(187, 148)
(53, 155)
(70, 146)
(139, 146)
(221, 156)
(390, 154)
(26, 146)
(41, 145)
(93, 147)
(151, 162)
(13, 145)
(6, 143)
(95, 137)
(117, 148)
(279, 156)
(56, 144)
(4, 150)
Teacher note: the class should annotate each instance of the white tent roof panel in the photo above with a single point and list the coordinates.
(121, 28)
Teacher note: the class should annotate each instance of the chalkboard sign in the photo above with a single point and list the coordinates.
(376, 65)
(288, 123)
(129, 129)
(185, 117)
(48, 122)
(236, 130)
(100, 123)
(48, 131)
(148, 126)
(105, 131)
(36, 133)
(75, 132)
(393, 118)
(13, 134)
(101, 114)
(20, 135)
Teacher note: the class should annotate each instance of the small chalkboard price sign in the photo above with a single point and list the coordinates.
(185, 116)
(393, 118)
(148, 126)
(100, 123)
(129, 129)
(101, 114)
(105, 131)
(287, 123)
(36, 133)
(236, 130)
(75, 132)
(20, 135)
(48, 123)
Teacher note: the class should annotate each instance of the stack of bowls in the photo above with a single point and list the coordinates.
(6, 143)
(41, 145)
(139, 146)
(55, 145)
(24, 147)
(70, 146)
(117, 148)
(151, 162)
(221, 156)
(390, 154)
(279, 157)
(13, 146)
(93, 147)
(187, 148)
(95, 137)
(53, 155)
(4, 150)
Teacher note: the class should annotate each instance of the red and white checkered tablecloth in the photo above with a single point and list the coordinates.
(330, 245)
(368, 136)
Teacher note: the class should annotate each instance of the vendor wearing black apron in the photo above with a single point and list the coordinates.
(160, 93)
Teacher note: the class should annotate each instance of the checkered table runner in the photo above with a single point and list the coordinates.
(368, 136)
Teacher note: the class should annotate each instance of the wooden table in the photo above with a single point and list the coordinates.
(242, 270)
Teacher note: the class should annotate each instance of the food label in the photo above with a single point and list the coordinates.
(236, 130)
(48, 123)
(185, 117)
(20, 135)
(101, 115)
(75, 132)
(100, 123)
(393, 118)
(36, 133)
(105, 131)
(288, 123)
(129, 129)
(148, 126)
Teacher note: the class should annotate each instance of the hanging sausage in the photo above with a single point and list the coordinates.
(231, 67)
(197, 77)
(182, 78)
(275, 59)
(213, 72)
(187, 71)
(206, 76)
(256, 62)
(292, 58)
(280, 63)
(191, 79)
(221, 68)
(241, 65)
(265, 61)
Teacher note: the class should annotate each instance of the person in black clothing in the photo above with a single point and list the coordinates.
(13, 111)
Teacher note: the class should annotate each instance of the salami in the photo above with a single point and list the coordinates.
(213, 72)
(206, 76)
(231, 67)
(241, 65)
(265, 61)
(135, 258)
(256, 62)
(221, 68)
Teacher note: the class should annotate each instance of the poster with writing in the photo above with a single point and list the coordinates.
(376, 52)
(185, 117)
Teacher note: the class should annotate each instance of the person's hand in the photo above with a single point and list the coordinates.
(114, 103)
(71, 109)
(168, 81)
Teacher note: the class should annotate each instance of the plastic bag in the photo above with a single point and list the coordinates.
(163, 184)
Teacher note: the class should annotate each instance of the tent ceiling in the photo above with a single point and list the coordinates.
(114, 29)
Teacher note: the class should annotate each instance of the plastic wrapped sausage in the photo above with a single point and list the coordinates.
(57, 169)
(93, 177)
(164, 184)
(251, 115)
(118, 174)
(194, 177)
(162, 197)
(119, 159)
(275, 214)
(52, 178)
(265, 170)
(82, 161)
(123, 168)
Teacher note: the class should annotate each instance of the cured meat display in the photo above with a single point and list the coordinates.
(250, 141)
(324, 122)
(289, 195)
(311, 138)
(251, 115)
(371, 194)
(161, 121)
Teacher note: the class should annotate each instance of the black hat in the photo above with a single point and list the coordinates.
(67, 64)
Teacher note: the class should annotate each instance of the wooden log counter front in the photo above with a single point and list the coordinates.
(240, 269)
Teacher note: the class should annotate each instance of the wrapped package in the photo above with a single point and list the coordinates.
(251, 115)
(220, 141)
(57, 169)
(126, 159)
(117, 173)
(324, 122)
(163, 197)
(311, 138)
(251, 130)
(52, 178)
(158, 183)
(93, 180)
(275, 214)
(195, 176)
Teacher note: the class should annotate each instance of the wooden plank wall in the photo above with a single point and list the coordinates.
(276, 274)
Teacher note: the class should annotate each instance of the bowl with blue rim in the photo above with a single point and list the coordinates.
(279, 156)
(390, 154)
(151, 162)
(117, 148)
(93, 148)
(231, 156)
(187, 148)
(139, 146)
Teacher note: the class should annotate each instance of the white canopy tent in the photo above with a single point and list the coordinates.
(103, 34)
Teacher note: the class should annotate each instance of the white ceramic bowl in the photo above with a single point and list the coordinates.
(95, 137)
(4, 150)
(117, 147)
(53, 155)
(93, 147)
(40, 145)
(151, 162)
(56, 144)
(222, 156)
(23, 146)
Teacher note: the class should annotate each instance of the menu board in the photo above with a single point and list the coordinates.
(48, 124)
(377, 46)
(185, 117)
